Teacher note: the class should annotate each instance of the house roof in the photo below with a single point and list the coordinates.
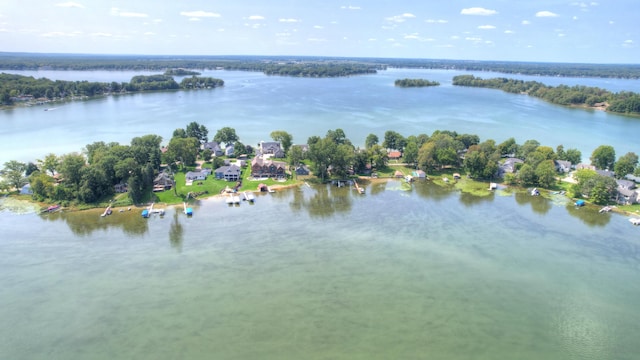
(228, 169)
(395, 154)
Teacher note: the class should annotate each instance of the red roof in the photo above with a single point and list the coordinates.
(395, 154)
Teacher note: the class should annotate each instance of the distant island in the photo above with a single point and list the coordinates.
(624, 102)
(303, 66)
(19, 89)
(415, 83)
(180, 72)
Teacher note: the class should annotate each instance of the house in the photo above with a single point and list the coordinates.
(398, 174)
(563, 166)
(261, 167)
(394, 155)
(163, 182)
(121, 188)
(509, 165)
(195, 175)
(419, 174)
(26, 190)
(228, 173)
(585, 166)
(633, 178)
(271, 148)
(229, 150)
(607, 173)
(214, 147)
(303, 147)
(302, 170)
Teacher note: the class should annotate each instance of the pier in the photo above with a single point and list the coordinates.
(107, 211)
(358, 188)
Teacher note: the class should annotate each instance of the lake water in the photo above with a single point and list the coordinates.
(255, 105)
(325, 273)
(321, 272)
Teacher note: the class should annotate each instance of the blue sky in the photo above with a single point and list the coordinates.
(604, 31)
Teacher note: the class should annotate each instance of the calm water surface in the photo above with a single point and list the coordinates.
(325, 273)
(255, 104)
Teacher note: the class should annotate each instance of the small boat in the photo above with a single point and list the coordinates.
(249, 196)
(580, 202)
(189, 211)
(145, 213)
(635, 221)
(605, 209)
(53, 208)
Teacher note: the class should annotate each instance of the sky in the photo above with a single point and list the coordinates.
(603, 31)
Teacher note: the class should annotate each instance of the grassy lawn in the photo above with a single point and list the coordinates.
(212, 186)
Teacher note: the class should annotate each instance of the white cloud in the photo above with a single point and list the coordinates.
(70, 4)
(117, 12)
(526, 22)
(611, 22)
(546, 14)
(509, 32)
(434, 21)
(455, 37)
(318, 27)
(101, 34)
(199, 14)
(256, 17)
(486, 27)
(470, 38)
(61, 34)
(400, 18)
(416, 36)
(350, 7)
(289, 20)
(195, 19)
(478, 11)
(373, 39)
(149, 33)
(283, 34)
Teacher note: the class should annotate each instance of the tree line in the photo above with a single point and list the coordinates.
(25, 61)
(623, 102)
(13, 86)
(415, 83)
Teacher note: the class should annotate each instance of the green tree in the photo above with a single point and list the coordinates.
(338, 136)
(474, 163)
(197, 131)
(184, 150)
(295, 155)
(320, 154)
(626, 164)
(13, 172)
(41, 185)
(226, 135)
(427, 156)
(31, 168)
(71, 169)
(509, 147)
(378, 156)
(528, 147)
(527, 175)
(603, 157)
(284, 138)
(372, 139)
(546, 173)
(393, 140)
(411, 153)
(50, 163)
(574, 156)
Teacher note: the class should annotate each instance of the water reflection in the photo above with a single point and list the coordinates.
(469, 200)
(427, 189)
(176, 233)
(588, 215)
(539, 204)
(325, 201)
(85, 223)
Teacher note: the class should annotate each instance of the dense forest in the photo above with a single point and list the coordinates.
(14, 88)
(623, 102)
(415, 83)
(303, 65)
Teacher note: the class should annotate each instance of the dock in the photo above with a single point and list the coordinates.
(605, 209)
(187, 210)
(357, 187)
(107, 211)
(635, 221)
(248, 196)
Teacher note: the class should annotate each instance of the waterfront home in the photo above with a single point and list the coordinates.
(394, 155)
(228, 173)
(121, 188)
(607, 173)
(261, 167)
(633, 178)
(419, 174)
(585, 166)
(563, 166)
(509, 165)
(229, 150)
(214, 147)
(302, 170)
(627, 193)
(162, 182)
(195, 175)
(271, 148)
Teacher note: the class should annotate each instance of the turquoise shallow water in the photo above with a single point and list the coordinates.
(324, 273)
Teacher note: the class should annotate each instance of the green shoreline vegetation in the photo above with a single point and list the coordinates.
(415, 83)
(19, 89)
(312, 66)
(90, 179)
(625, 102)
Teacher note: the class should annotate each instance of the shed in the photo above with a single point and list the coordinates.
(398, 174)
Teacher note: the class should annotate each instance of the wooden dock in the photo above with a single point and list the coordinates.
(358, 188)
(107, 211)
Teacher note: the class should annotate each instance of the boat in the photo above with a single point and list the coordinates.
(145, 213)
(635, 221)
(53, 208)
(189, 211)
(580, 202)
(605, 209)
